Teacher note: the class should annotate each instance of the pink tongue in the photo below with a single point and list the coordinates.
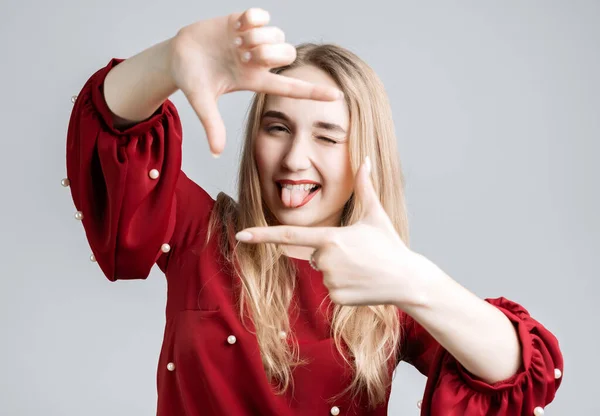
(293, 198)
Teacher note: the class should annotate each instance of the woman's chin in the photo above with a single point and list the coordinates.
(293, 217)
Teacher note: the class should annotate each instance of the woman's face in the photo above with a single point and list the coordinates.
(305, 142)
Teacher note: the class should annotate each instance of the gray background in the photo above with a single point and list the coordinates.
(496, 107)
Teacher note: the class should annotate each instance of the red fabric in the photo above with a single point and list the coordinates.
(127, 218)
(452, 391)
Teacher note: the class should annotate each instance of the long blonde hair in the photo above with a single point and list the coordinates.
(367, 337)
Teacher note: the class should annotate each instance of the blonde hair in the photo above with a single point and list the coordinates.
(367, 337)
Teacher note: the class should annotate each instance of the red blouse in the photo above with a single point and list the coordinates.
(138, 208)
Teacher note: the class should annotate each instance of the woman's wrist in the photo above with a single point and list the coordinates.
(419, 285)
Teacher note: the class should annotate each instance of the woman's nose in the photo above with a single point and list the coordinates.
(298, 154)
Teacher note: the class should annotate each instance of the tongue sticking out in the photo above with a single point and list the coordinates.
(291, 198)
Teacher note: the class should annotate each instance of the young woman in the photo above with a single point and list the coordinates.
(302, 297)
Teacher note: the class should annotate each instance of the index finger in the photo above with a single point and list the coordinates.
(276, 84)
(286, 234)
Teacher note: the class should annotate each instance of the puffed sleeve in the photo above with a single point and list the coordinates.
(452, 391)
(125, 183)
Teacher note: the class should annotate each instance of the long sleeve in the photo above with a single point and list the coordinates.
(452, 391)
(125, 183)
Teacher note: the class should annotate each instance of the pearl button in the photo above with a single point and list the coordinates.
(171, 366)
(538, 411)
(282, 334)
(419, 403)
(165, 248)
(335, 410)
(154, 174)
(92, 258)
(231, 339)
(79, 215)
(557, 373)
(65, 182)
(73, 98)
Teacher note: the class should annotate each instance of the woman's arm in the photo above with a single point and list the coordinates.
(475, 332)
(137, 87)
(205, 60)
(367, 263)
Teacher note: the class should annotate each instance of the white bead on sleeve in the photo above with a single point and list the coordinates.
(154, 173)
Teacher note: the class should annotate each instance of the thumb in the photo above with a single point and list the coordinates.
(207, 111)
(364, 189)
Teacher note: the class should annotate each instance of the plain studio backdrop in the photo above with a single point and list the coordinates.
(496, 107)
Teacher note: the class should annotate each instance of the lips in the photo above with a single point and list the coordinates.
(299, 182)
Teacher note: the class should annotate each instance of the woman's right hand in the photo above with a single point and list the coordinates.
(213, 57)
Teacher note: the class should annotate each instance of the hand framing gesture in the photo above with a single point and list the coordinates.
(232, 53)
(365, 263)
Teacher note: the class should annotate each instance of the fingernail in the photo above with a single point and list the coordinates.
(261, 16)
(246, 56)
(243, 236)
(237, 41)
(368, 163)
(237, 24)
(215, 155)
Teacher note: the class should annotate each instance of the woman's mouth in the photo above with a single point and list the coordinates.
(295, 196)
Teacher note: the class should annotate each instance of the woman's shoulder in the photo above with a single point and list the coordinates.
(193, 203)
(195, 207)
(190, 191)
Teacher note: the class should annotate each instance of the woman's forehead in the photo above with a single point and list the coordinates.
(307, 112)
(310, 73)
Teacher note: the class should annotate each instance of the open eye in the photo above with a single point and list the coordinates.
(276, 128)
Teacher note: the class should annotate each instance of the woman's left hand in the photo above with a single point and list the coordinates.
(365, 263)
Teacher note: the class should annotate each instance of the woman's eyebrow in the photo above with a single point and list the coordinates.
(319, 124)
